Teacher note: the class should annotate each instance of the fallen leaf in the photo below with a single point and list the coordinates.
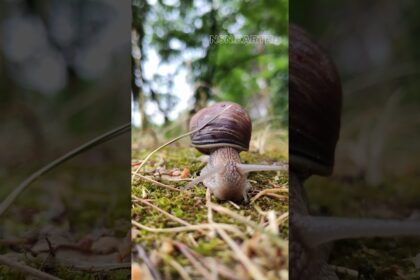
(135, 272)
(185, 173)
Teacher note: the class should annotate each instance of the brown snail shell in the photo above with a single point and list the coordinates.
(315, 105)
(231, 129)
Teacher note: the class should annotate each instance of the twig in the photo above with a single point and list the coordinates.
(191, 237)
(234, 205)
(272, 222)
(259, 210)
(278, 196)
(182, 272)
(267, 191)
(152, 268)
(188, 228)
(273, 237)
(234, 215)
(345, 270)
(221, 269)
(169, 187)
(284, 217)
(210, 212)
(172, 179)
(186, 252)
(169, 215)
(177, 138)
(27, 269)
(102, 267)
(248, 264)
(90, 144)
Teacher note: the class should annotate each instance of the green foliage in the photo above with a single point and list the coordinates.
(243, 72)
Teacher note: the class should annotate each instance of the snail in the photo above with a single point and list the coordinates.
(315, 109)
(223, 139)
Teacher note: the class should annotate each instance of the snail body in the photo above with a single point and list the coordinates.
(223, 139)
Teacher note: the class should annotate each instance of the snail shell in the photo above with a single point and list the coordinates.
(231, 129)
(315, 105)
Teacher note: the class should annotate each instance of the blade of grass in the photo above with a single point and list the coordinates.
(227, 227)
(82, 148)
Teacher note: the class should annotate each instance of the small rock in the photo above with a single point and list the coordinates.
(105, 245)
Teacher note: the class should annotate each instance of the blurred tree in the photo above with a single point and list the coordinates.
(252, 73)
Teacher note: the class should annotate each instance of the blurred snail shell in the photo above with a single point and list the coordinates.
(231, 129)
(315, 105)
(315, 108)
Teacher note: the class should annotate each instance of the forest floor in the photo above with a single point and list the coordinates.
(371, 258)
(179, 235)
(54, 226)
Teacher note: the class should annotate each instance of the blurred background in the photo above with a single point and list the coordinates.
(64, 80)
(177, 69)
(374, 45)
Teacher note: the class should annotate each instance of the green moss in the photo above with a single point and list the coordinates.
(374, 258)
(193, 210)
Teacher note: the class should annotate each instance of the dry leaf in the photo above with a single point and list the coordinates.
(135, 272)
(185, 173)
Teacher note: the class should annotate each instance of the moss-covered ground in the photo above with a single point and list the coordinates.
(373, 258)
(266, 248)
(70, 202)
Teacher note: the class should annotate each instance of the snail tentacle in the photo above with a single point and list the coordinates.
(246, 168)
(319, 230)
(211, 171)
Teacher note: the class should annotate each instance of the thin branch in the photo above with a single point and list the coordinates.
(273, 237)
(188, 228)
(248, 264)
(268, 191)
(186, 252)
(181, 271)
(210, 212)
(152, 268)
(169, 187)
(169, 215)
(101, 267)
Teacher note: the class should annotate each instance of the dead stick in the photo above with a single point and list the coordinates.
(152, 268)
(157, 183)
(185, 251)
